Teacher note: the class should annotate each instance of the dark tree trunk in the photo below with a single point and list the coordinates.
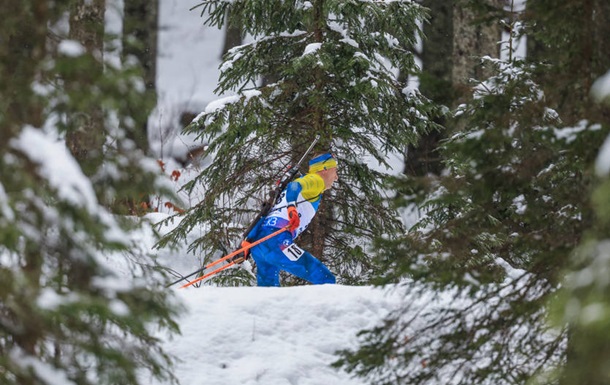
(455, 40)
(140, 39)
(435, 83)
(86, 137)
(22, 46)
(473, 38)
(233, 35)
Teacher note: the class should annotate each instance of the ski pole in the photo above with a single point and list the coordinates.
(211, 273)
(186, 277)
(234, 253)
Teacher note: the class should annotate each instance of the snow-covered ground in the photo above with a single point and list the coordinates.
(272, 336)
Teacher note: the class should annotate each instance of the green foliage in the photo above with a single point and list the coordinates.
(495, 236)
(583, 302)
(484, 244)
(330, 68)
(78, 300)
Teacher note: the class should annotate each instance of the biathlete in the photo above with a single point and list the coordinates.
(296, 207)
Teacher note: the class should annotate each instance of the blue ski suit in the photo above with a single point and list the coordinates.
(280, 252)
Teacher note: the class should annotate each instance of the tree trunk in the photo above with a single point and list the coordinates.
(472, 40)
(450, 58)
(86, 137)
(140, 39)
(435, 83)
(579, 53)
(233, 34)
(21, 49)
(314, 239)
(320, 227)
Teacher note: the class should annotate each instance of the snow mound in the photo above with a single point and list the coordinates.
(272, 336)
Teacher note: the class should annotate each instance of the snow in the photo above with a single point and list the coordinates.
(63, 172)
(601, 88)
(272, 336)
(189, 55)
(570, 134)
(602, 163)
(43, 370)
(312, 48)
(49, 299)
(5, 209)
(601, 93)
(71, 48)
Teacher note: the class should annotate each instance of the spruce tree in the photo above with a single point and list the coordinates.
(329, 68)
(78, 299)
(498, 227)
(583, 303)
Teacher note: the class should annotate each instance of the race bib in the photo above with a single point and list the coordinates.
(293, 252)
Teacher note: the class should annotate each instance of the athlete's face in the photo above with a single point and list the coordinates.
(329, 176)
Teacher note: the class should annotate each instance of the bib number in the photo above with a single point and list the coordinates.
(293, 252)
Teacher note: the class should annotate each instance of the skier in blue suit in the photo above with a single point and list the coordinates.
(296, 207)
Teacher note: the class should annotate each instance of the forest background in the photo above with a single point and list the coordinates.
(504, 181)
